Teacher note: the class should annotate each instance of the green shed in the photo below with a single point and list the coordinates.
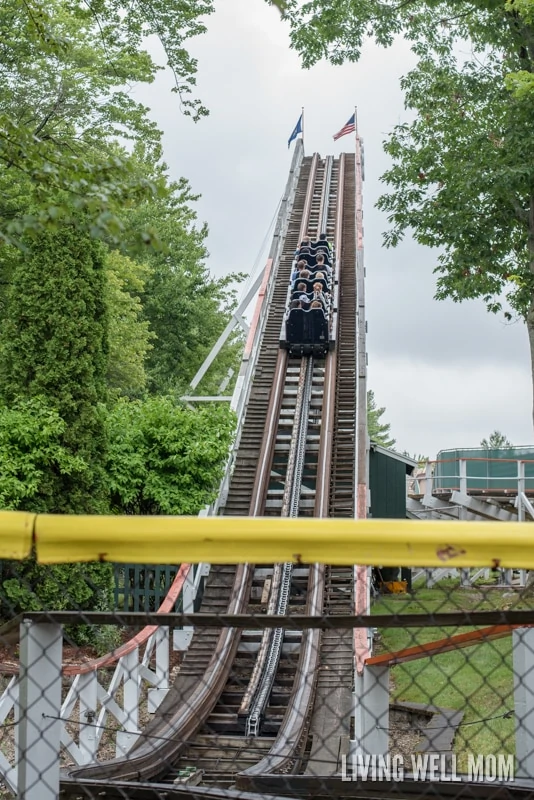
(387, 488)
(387, 482)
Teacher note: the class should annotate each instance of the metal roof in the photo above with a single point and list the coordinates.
(410, 462)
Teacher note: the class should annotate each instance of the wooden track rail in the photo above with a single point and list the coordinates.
(325, 196)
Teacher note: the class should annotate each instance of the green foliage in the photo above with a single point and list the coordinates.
(166, 458)
(337, 30)
(378, 431)
(34, 457)
(28, 586)
(496, 441)
(130, 338)
(35, 462)
(186, 307)
(55, 346)
(65, 72)
(461, 180)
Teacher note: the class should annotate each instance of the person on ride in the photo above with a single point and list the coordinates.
(318, 293)
(321, 263)
(306, 255)
(299, 266)
(322, 242)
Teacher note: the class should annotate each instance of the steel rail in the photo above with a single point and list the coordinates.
(290, 734)
(296, 718)
(324, 468)
(325, 198)
(264, 672)
(263, 472)
(290, 507)
(178, 725)
(271, 642)
(296, 622)
(126, 790)
(248, 706)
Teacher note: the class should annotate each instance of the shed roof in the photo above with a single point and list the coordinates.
(385, 451)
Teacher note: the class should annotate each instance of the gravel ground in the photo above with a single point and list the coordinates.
(403, 741)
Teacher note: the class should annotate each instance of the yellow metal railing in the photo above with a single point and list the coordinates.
(231, 540)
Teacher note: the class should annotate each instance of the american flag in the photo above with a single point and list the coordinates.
(350, 127)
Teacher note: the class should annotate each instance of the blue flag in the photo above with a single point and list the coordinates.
(298, 129)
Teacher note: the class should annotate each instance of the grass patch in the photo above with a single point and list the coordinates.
(477, 680)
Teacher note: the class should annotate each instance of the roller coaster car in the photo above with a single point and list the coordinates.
(309, 284)
(310, 259)
(305, 333)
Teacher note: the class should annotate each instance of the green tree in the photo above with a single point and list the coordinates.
(463, 171)
(53, 362)
(166, 458)
(65, 66)
(55, 345)
(34, 459)
(130, 337)
(496, 441)
(187, 308)
(379, 432)
(32, 453)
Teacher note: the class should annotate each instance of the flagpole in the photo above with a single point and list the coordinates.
(303, 129)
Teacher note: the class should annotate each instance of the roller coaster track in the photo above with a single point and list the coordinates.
(244, 704)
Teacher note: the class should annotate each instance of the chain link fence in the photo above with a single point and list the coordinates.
(374, 681)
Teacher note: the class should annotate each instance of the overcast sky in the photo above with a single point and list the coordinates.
(448, 374)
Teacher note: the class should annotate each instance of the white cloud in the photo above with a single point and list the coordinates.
(445, 405)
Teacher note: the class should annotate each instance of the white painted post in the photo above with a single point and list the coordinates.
(427, 501)
(428, 483)
(523, 665)
(41, 649)
(158, 693)
(182, 639)
(463, 479)
(465, 574)
(371, 712)
(131, 684)
(88, 741)
(520, 491)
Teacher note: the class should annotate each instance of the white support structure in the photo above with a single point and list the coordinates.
(371, 712)
(41, 650)
(237, 320)
(157, 693)
(426, 498)
(480, 508)
(127, 737)
(523, 666)
(33, 698)
(280, 230)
